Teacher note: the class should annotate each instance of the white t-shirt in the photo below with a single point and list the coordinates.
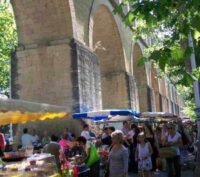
(27, 140)
(174, 139)
(86, 134)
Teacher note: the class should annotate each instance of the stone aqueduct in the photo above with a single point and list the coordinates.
(76, 53)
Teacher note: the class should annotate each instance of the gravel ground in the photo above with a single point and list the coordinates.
(185, 173)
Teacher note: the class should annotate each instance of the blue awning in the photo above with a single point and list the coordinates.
(104, 114)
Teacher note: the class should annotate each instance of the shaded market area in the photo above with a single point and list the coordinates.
(99, 88)
(88, 153)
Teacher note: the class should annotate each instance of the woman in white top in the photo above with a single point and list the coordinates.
(143, 156)
(173, 139)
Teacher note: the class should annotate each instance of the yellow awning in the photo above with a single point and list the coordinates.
(18, 117)
(16, 111)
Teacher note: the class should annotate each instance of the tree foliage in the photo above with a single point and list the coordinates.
(8, 41)
(188, 95)
(169, 24)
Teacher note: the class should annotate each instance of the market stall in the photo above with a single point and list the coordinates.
(23, 162)
(187, 120)
(159, 117)
(107, 117)
(113, 117)
(35, 165)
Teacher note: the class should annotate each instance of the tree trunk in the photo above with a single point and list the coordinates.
(197, 169)
(197, 101)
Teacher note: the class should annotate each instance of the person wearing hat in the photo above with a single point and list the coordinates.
(174, 140)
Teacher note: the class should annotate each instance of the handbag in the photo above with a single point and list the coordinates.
(168, 152)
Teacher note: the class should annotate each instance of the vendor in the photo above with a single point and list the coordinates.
(53, 148)
(35, 139)
(46, 139)
(83, 149)
(86, 152)
(26, 139)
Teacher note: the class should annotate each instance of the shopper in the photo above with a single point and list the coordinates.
(86, 132)
(2, 144)
(174, 140)
(143, 156)
(151, 138)
(126, 128)
(118, 156)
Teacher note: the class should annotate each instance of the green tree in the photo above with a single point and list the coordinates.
(169, 23)
(188, 95)
(8, 42)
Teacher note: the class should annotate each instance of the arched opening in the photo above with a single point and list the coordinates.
(42, 22)
(157, 105)
(107, 46)
(43, 57)
(139, 73)
(163, 92)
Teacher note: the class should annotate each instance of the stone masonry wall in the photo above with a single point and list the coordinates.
(87, 83)
(56, 61)
(43, 75)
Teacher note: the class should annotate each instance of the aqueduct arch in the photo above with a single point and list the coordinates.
(107, 45)
(52, 66)
(44, 31)
(42, 66)
(141, 80)
(50, 20)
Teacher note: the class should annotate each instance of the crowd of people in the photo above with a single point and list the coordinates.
(135, 148)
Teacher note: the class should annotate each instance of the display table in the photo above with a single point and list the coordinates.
(38, 165)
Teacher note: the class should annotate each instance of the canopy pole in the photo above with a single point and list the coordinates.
(11, 132)
(10, 96)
